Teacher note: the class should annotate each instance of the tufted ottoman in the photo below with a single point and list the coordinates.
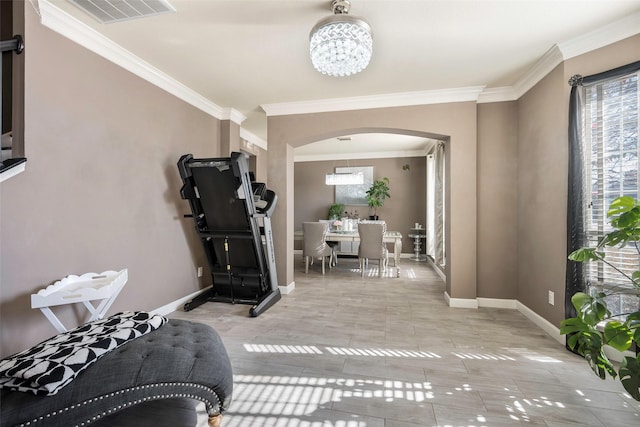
(181, 361)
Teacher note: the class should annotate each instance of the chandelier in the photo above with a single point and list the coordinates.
(344, 178)
(340, 45)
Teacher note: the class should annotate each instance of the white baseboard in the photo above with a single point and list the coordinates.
(177, 304)
(460, 302)
(284, 290)
(497, 303)
(437, 269)
(541, 322)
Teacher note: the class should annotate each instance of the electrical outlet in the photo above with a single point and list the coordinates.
(199, 271)
(551, 298)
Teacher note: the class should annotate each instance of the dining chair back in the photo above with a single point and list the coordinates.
(372, 246)
(315, 245)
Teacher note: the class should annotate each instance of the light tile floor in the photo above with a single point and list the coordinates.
(350, 351)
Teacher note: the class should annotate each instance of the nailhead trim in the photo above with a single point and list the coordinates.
(210, 405)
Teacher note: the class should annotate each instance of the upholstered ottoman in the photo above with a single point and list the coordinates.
(179, 361)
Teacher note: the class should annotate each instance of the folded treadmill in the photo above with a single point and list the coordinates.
(232, 217)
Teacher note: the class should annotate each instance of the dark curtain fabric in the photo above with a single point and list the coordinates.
(576, 236)
(577, 188)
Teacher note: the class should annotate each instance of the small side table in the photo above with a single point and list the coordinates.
(103, 287)
(417, 234)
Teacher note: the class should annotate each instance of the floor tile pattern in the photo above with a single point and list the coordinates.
(349, 351)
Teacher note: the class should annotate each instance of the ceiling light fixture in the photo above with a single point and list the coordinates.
(344, 178)
(341, 45)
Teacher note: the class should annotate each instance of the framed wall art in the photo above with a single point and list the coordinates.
(354, 195)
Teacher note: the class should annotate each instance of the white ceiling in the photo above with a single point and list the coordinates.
(253, 54)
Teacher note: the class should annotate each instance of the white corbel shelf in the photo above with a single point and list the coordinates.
(18, 167)
(104, 287)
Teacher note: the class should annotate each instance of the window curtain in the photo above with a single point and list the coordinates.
(439, 244)
(577, 188)
(431, 206)
(435, 205)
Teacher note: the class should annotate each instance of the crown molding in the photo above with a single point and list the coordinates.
(66, 25)
(253, 139)
(550, 60)
(624, 28)
(401, 99)
(233, 115)
(497, 94)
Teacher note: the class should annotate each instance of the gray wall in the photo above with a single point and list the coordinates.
(312, 197)
(101, 187)
(454, 123)
(497, 199)
(542, 177)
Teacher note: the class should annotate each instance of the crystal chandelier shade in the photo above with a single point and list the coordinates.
(341, 45)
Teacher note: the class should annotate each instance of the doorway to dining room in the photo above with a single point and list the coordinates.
(407, 161)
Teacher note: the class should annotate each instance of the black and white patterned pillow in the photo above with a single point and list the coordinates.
(49, 366)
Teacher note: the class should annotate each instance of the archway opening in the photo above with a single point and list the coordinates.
(406, 158)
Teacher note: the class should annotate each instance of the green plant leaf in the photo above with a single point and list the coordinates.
(586, 255)
(599, 362)
(615, 238)
(633, 317)
(628, 219)
(573, 325)
(591, 310)
(582, 331)
(579, 299)
(630, 376)
(621, 205)
(618, 335)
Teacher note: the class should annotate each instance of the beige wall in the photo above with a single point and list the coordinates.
(542, 195)
(262, 174)
(497, 200)
(455, 123)
(101, 187)
(312, 197)
(542, 177)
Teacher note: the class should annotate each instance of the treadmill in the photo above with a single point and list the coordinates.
(232, 216)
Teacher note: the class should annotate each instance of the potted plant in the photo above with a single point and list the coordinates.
(594, 325)
(335, 211)
(377, 194)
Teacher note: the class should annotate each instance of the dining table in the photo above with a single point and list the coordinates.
(394, 237)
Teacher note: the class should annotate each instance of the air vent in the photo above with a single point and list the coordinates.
(110, 11)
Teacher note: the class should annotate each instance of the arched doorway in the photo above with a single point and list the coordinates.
(453, 123)
(402, 159)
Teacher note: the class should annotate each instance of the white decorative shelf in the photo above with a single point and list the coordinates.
(19, 167)
(83, 289)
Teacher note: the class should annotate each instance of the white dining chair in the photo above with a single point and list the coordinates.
(372, 246)
(315, 245)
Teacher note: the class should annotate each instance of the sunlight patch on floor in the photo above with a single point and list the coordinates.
(282, 348)
(298, 401)
(482, 356)
(347, 351)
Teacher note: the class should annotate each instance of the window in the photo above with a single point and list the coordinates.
(611, 119)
